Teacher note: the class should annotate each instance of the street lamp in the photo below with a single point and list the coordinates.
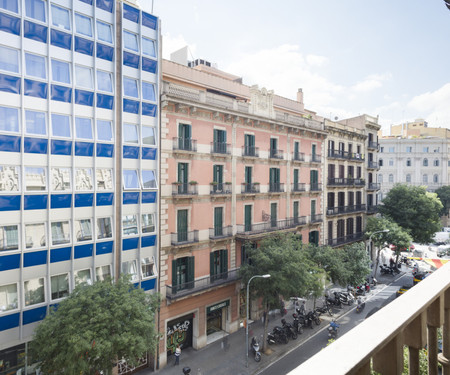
(370, 244)
(248, 301)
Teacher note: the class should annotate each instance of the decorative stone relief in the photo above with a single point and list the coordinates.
(261, 102)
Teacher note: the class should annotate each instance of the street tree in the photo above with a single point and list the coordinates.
(443, 194)
(346, 265)
(291, 272)
(414, 209)
(94, 327)
(396, 236)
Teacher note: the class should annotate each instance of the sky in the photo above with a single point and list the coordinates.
(386, 58)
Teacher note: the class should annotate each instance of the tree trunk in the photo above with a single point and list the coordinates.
(376, 263)
(266, 323)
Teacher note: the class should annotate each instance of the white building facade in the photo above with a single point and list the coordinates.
(413, 161)
(78, 155)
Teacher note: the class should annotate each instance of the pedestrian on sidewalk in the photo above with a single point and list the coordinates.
(177, 355)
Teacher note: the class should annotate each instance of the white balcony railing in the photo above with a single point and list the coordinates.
(411, 320)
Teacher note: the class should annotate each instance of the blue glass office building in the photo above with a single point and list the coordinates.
(79, 114)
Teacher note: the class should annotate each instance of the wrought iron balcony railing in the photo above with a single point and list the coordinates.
(373, 165)
(356, 156)
(315, 187)
(317, 218)
(315, 158)
(250, 151)
(372, 209)
(276, 154)
(220, 188)
(339, 154)
(184, 188)
(346, 239)
(276, 187)
(298, 156)
(220, 232)
(183, 238)
(411, 320)
(346, 181)
(373, 186)
(373, 145)
(198, 285)
(249, 188)
(220, 148)
(296, 187)
(184, 144)
(270, 226)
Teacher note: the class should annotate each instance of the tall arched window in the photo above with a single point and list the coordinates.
(408, 178)
(435, 178)
(391, 162)
(425, 162)
(408, 162)
(380, 162)
(391, 178)
(436, 162)
(425, 179)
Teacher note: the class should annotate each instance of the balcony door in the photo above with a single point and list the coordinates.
(295, 212)
(183, 177)
(184, 137)
(249, 143)
(218, 264)
(183, 273)
(273, 214)
(274, 179)
(313, 208)
(182, 225)
(218, 177)
(220, 141)
(296, 180)
(314, 178)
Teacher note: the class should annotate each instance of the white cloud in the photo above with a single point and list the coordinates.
(315, 60)
(371, 82)
(173, 43)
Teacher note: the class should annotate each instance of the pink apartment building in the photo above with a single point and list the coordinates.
(237, 163)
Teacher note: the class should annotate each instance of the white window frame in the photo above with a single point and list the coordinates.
(13, 305)
(25, 292)
(51, 286)
(43, 178)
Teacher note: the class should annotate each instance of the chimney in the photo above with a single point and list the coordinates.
(300, 96)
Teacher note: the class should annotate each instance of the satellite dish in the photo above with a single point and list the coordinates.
(336, 118)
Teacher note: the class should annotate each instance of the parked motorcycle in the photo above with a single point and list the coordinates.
(277, 336)
(307, 320)
(360, 290)
(289, 329)
(326, 308)
(255, 349)
(296, 323)
(372, 281)
(385, 270)
(332, 300)
(333, 330)
(345, 297)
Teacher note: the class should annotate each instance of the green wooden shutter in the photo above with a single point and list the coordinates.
(248, 218)
(174, 276)
(313, 208)
(314, 176)
(224, 263)
(313, 150)
(248, 175)
(273, 214)
(190, 272)
(295, 178)
(182, 225)
(296, 148)
(218, 223)
(295, 210)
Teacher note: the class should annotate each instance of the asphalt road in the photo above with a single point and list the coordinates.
(296, 356)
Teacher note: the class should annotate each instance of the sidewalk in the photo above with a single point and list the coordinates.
(227, 356)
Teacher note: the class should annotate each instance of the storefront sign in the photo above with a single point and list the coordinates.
(218, 306)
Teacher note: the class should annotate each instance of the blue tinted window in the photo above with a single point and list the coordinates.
(130, 41)
(35, 123)
(35, 66)
(83, 76)
(83, 128)
(130, 87)
(61, 125)
(10, 5)
(83, 25)
(148, 179)
(104, 32)
(104, 81)
(104, 132)
(9, 119)
(60, 71)
(148, 135)
(130, 179)
(130, 134)
(9, 59)
(35, 9)
(60, 17)
(148, 47)
(148, 91)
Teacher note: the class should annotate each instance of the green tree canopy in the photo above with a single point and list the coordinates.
(94, 327)
(347, 265)
(443, 194)
(414, 209)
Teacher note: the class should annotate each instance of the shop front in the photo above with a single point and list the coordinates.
(216, 316)
(179, 332)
